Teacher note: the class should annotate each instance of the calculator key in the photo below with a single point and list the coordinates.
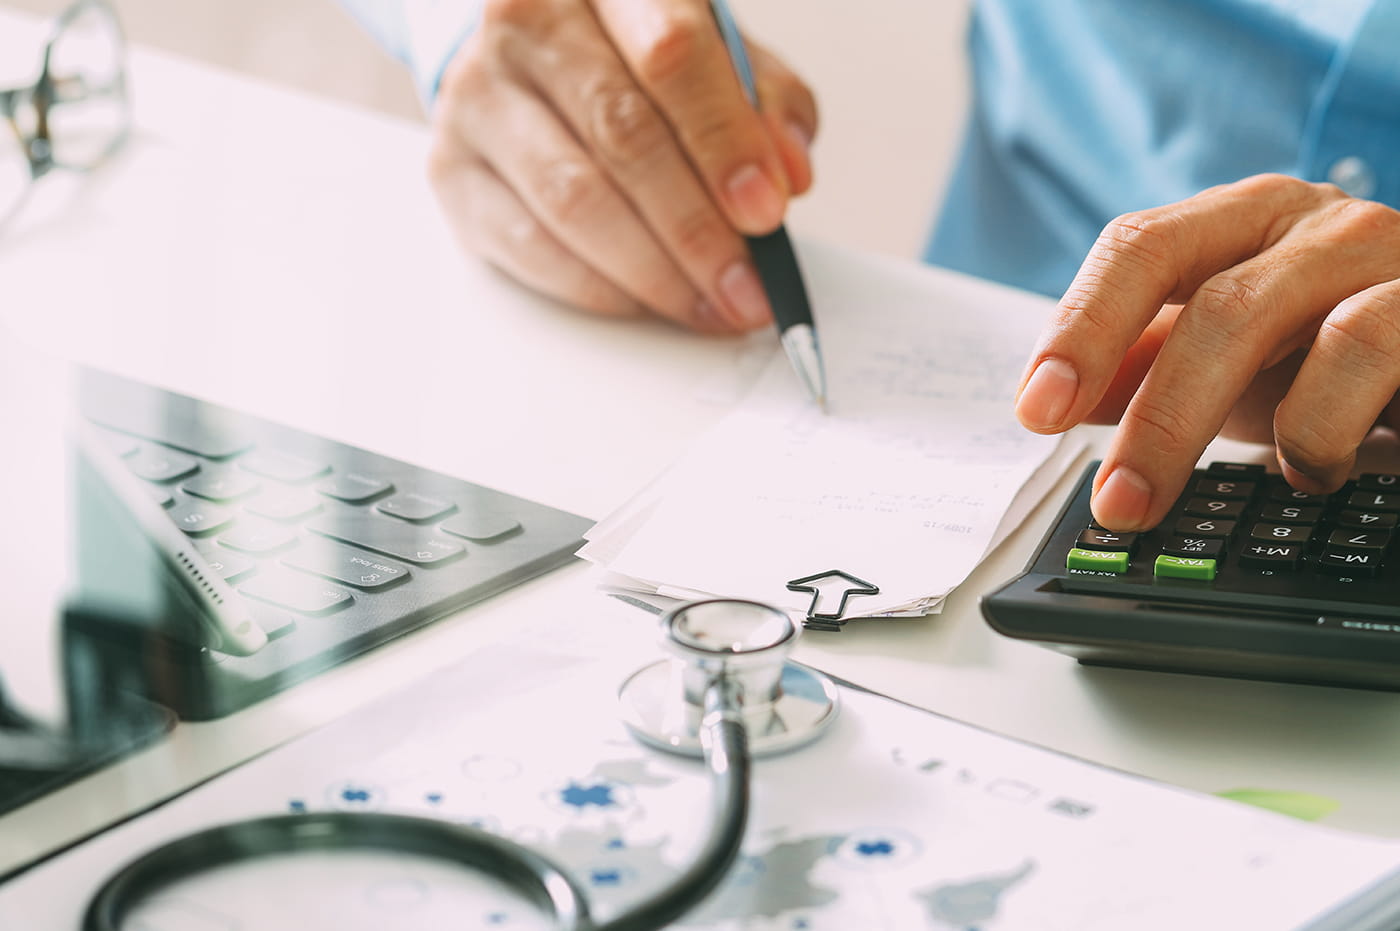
(1287, 494)
(1374, 500)
(390, 537)
(1367, 520)
(1281, 533)
(1209, 547)
(161, 495)
(294, 591)
(1204, 527)
(354, 489)
(409, 505)
(1184, 567)
(1214, 507)
(1092, 539)
(345, 564)
(161, 465)
(199, 518)
(1360, 539)
(489, 528)
(284, 504)
(1350, 562)
(281, 467)
(1378, 481)
(1284, 556)
(257, 537)
(1225, 488)
(1252, 470)
(1115, 561)
(225, 486)
(1279, 513)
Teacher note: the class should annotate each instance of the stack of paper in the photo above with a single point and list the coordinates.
(917, 469)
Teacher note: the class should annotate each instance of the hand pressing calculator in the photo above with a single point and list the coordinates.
(1246, 577)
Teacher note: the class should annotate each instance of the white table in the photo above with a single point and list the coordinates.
(283, 255)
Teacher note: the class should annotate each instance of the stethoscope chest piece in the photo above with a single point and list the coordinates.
(742, 645)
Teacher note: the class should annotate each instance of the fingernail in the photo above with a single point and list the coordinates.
(1048, 395)
(756, 198)
(744, 292)
(1123, 500)
(798, 133)
(707, 318)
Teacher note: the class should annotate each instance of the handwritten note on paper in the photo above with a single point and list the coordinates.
(903, 482)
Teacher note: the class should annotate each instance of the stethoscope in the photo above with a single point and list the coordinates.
(725, 693)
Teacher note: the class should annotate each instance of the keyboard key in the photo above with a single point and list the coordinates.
(1097, 560)
(1214, 507)
(1367, 520)
(390, 537)
(1204, 527)
(258, 537)
(296, 592)
(1349, 562)
(161, 495)
(230, 567)
(1236, 470)
(274, 622)
(221, 486)
(1208, 547)
(284, 504)
(409, 505)
(1275, 556)
(1378, 481)
(1279, 513)
(352, 488)
(1225, 488)
(199, 518)
(345, 564)
(1374, 500)
(120, 445)
(1281, 533)
(158, 465)
(1184, 567)
(1361, 540)
(281, 467)
(490, 528)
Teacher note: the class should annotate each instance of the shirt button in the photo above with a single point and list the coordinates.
(1353, 176)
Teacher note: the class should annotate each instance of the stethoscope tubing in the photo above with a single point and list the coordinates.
(533, 875)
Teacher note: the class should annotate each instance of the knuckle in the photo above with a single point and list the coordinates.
(1364, 220)
(1365, 332)
(569, 190)
(673, 50)
(1142, 242)
(699, 232)
(1272, 184)
(624, 127)
(1172, 424)
(511, 12)
(1230, 307)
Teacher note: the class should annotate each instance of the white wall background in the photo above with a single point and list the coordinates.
(889, 78)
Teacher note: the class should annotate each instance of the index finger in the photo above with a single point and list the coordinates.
(675, 50)
(1140, 262)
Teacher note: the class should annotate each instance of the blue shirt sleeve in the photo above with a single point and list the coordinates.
(1087, 109)
(423, 34)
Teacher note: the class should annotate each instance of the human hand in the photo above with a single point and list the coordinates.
(603, 152)
(1270, 307)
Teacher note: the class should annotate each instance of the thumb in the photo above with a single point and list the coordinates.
(789, 111)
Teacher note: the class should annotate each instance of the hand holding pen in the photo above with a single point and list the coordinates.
(604, 152)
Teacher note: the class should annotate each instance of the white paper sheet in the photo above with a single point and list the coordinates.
(904, 482)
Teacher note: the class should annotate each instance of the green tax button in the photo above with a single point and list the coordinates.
(1184, 567)
(1096, 560)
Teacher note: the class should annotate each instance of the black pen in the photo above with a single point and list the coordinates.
(773, 257)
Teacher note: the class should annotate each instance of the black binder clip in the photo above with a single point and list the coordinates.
(818, 621)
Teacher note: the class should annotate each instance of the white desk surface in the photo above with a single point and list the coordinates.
(283, 255)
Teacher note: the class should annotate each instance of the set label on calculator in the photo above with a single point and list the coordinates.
(1236, 508)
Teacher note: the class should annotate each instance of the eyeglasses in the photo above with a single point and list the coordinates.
(76, 114)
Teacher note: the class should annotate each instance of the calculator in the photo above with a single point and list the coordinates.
(1246, 577)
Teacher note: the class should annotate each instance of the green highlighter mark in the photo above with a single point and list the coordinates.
(1301, 805)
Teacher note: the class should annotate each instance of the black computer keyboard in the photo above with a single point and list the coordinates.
(1245, 577)
(333, 549)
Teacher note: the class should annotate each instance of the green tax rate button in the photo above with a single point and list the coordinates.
(1096, 560)
(1184, 567)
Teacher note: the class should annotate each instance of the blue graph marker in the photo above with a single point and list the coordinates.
(297, 805)
(616, 843)
(578, 796)
(497, 918)
(879, 848)
(605, 877)
(434, 798)
(351, 794)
